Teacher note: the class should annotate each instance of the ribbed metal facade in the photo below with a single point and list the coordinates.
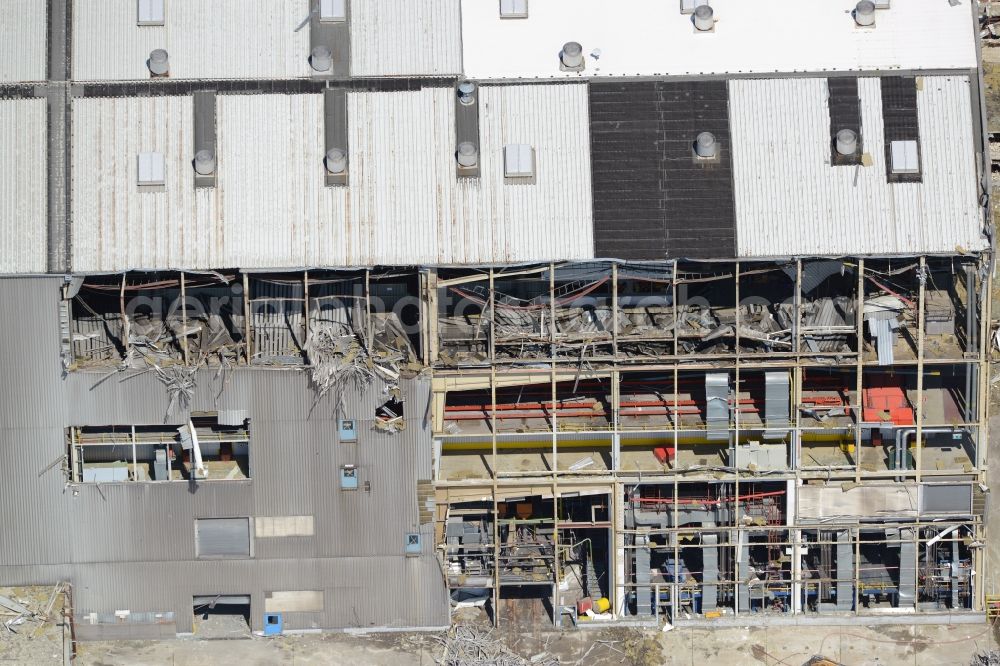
(223, 39)
(791, 201)
(132, 545)
(403, 204)
(22, 41)
(23, 185)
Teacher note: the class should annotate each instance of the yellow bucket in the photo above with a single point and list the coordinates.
(602, 605)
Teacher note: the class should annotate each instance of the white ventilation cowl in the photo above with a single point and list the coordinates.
(158, 63)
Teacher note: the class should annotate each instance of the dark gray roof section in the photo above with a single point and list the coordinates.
(899, 120)
(845, 113)
(653, 198)
(132, 545)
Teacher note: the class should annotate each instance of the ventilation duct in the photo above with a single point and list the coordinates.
(158, 63)
(336, 160)
(864, 13)
(571, 56)
(467, 92)
(467, 154)
(321, 59)
(705, 145)
(847, 142)
(704, 18)
(204, 162)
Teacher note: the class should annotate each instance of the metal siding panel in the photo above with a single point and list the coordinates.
(789, 199)
(392, 38)
(271, 208)
(23, 40)
(222, 537)
(115, 226)
(23, 181)
(133, 546)
(203, 39)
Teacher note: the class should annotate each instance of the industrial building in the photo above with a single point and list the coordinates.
(340, 312)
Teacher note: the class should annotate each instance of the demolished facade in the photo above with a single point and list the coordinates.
(414, 308)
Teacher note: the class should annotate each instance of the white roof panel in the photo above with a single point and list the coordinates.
(394, 38)
(23, 39)
(653, 37)
(790, 201)
(23, 186)
(271, 209)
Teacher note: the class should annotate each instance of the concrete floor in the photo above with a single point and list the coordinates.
(895, 644)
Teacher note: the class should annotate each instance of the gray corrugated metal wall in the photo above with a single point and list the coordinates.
(132, 545)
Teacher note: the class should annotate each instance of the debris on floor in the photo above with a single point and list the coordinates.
(467, 645)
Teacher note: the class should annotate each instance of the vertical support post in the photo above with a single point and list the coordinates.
(797, 307)
(126, 324)
(617, 527)
(369, 325)
(433, 342)
(493, 319)
(616, 443)
(496, 553)
(737, 384)
(247, 317)
(673, 303)
(135, 465)
(614, 310)
(857, 410)
(305, 302)
(556, 566)
(791, 518)
(922, 278)
(552, 367)
(184, 320)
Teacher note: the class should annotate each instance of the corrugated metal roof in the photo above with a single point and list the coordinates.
(403, 205)
(393, 38)
(219, 39)
(789, 200)
(23, 185)
(23, 38)
(652, 38)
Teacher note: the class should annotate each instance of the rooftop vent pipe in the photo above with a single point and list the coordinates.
(336, 160)
(572, 55)
(321, 59)
(158, 63)
(864, 13)
(204, 162)
(467, 154)
(467, 92)
(704, 18)
(705, 145)
(847, 142)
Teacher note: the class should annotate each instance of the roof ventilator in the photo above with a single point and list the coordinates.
(335, 136)
(706, 147)
(571, 57)
(467, 154)
(204, 162)
(336, 160)
(158, 63)
(704, 18)
(467, 92)
(864, 14)
(467, 130)
(321, 59)
(204, 138)
(847, 142)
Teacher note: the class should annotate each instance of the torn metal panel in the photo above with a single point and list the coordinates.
(717, 405)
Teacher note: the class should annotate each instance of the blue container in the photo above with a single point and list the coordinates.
(274, 625)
